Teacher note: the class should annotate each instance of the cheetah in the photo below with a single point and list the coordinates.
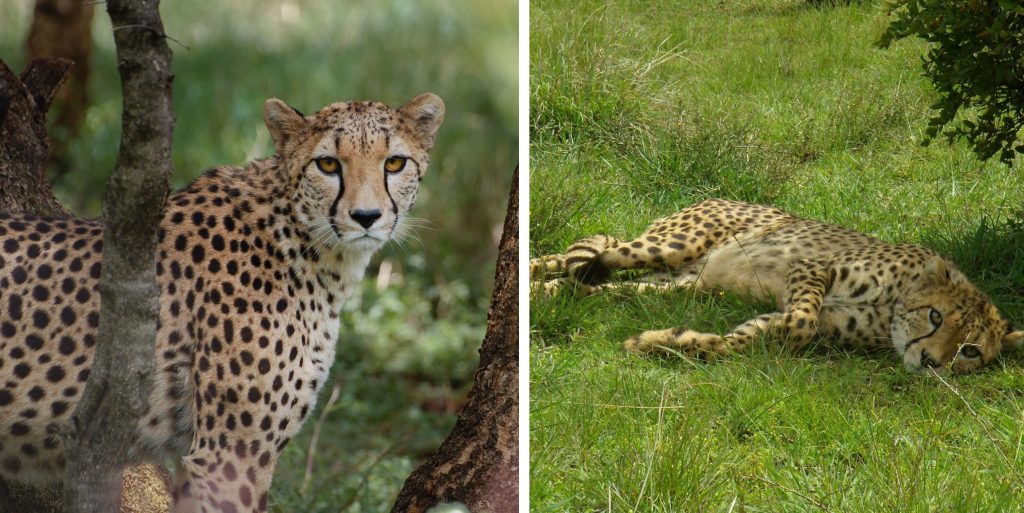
(844, 287)
(253, 264)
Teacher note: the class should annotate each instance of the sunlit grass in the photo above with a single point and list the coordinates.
(641, 108)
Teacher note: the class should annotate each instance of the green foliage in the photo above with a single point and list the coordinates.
(976, 63)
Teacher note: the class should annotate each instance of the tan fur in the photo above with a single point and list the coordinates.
(844, 287)
(253, 265)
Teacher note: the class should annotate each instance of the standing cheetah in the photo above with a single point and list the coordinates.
(253, 265)
(849, 288)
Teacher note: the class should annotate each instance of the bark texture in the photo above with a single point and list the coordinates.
(478, 464)
(101, 430)
(23, 189)
(24, 147)
(63, 28)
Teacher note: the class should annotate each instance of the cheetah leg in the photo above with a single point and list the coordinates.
(228, 478)
(702, 345)
(580, 261)
(677, 242)
(806, 284)
(236, 437)
(589, 263)
(795, 326)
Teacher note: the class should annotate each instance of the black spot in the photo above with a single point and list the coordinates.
(67, 346)
(34, 342)
(67, 316)
(19, 275)
(40, 319)
(22, 369)
(36, 393)
(58, 407)
(14, 307)
(55, 374)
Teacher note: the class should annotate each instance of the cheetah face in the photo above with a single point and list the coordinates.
(947, 325)
(354, 167)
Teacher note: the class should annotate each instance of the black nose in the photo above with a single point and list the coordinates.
(365, 218)
(927, 361)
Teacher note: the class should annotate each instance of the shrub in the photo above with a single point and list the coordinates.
(976, 63)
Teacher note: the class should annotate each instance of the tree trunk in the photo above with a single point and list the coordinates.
(24, 147)
(478, 464)
(63, 28)
(98, 438)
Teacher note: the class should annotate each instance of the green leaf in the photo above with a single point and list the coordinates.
(1012, 5)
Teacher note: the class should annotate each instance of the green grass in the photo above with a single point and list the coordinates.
(408, 349)
(641, 108)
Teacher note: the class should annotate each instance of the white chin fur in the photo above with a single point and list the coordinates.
(360, 244)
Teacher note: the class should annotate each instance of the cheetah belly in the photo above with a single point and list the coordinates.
(744, 267)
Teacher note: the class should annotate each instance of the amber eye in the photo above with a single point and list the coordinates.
(970, 351)
(329, 165)
(394, 164)
(935, 317)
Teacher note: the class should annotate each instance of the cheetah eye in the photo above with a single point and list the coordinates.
(394, 164)
(935, 317)
(970, 351)
(329, 165)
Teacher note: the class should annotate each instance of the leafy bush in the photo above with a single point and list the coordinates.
(976, 63)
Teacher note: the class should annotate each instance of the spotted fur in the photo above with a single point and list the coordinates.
(253, 265)
(844, 287)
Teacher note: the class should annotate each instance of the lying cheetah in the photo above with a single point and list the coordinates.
(846, 287)
(253, 264)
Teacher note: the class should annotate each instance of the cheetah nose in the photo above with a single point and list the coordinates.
(365, 218)
(927, 361)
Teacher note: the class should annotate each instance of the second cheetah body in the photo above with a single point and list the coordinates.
(849, 288)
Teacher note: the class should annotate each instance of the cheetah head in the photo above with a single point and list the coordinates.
(946, 324)
(354, 167)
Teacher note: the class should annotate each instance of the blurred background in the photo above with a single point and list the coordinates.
(409, 342)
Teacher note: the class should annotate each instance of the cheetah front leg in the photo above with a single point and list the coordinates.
(244, 416)
(796, 325)
(702, 345)
(807, 281)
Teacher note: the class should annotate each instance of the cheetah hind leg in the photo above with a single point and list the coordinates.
(695, 344)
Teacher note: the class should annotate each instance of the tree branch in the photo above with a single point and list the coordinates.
(101, 431)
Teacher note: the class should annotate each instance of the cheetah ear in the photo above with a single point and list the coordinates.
(1013, 339)
(426, 111)
(936, 272)
(284, 122)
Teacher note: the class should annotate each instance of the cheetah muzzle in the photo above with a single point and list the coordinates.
(253, 265)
